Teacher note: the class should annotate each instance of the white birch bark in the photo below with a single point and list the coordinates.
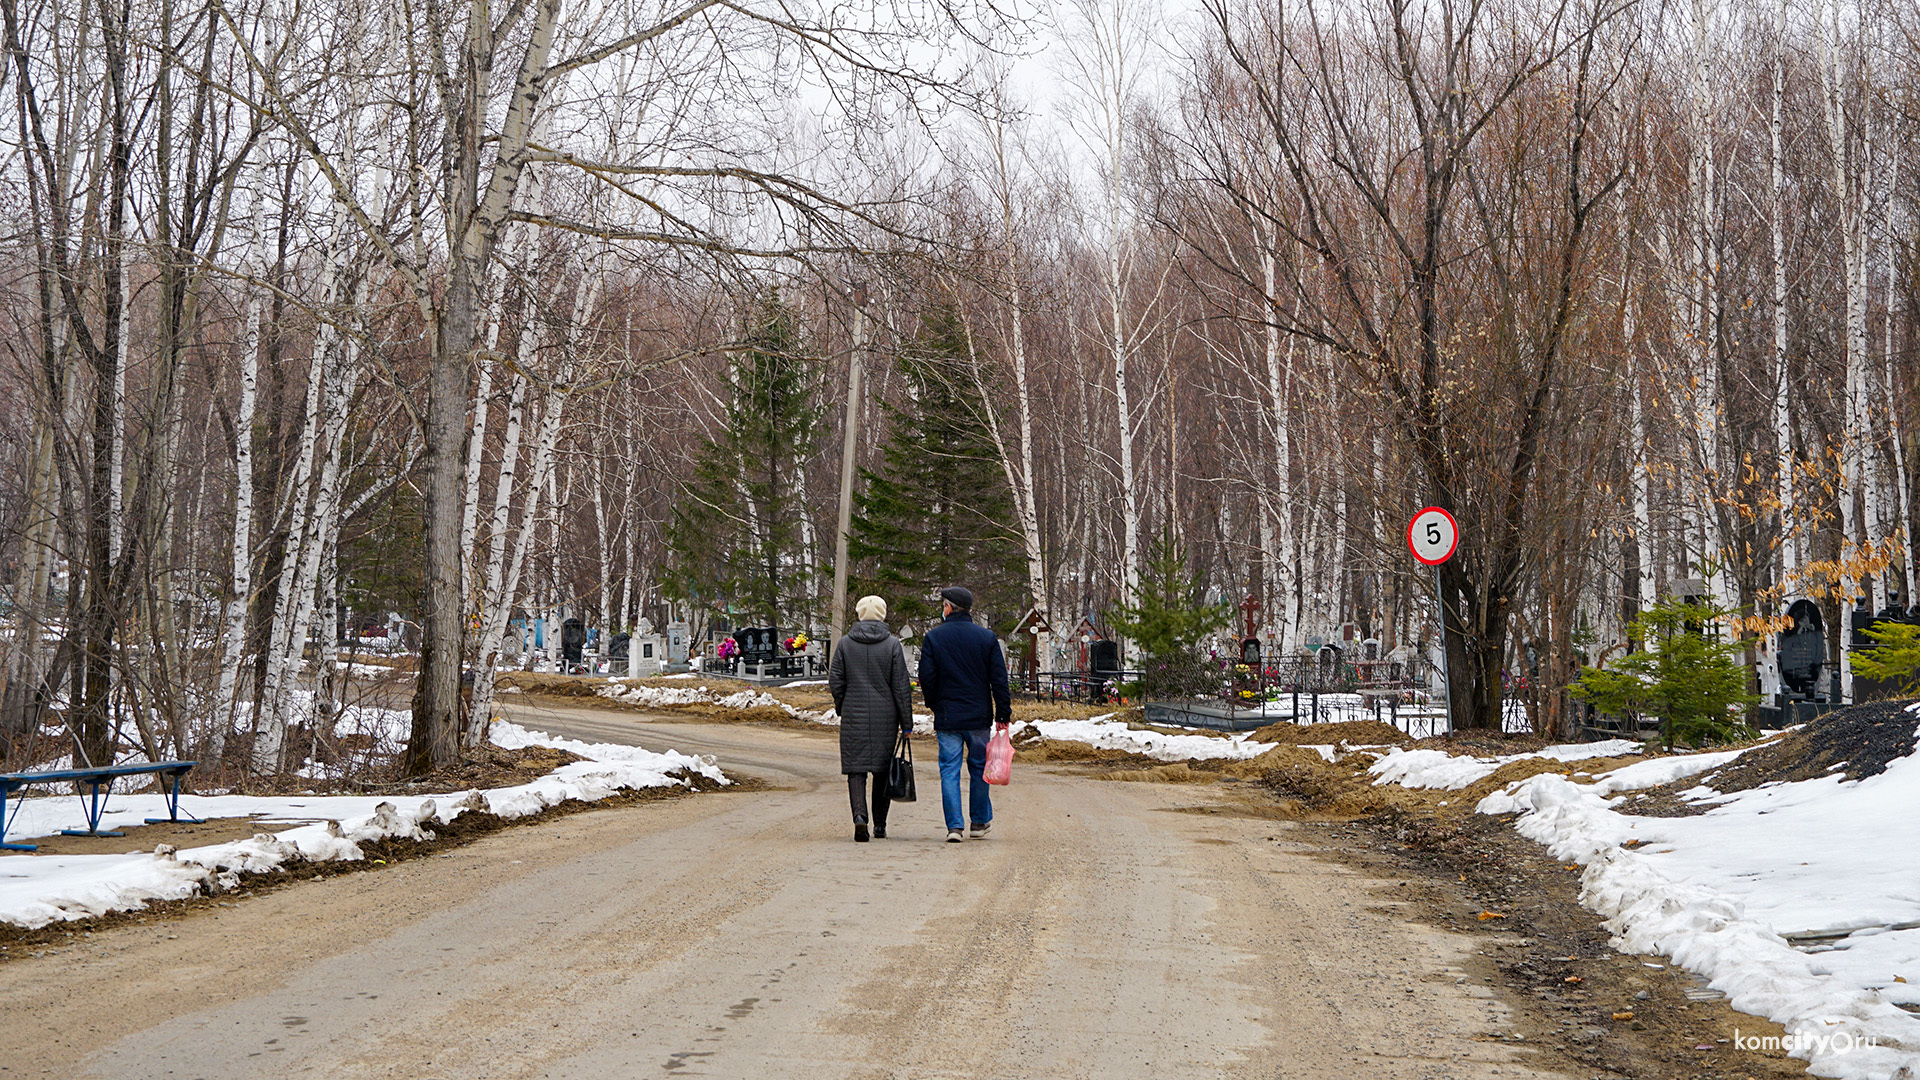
(271, 722)
(1785, 467)
(1105, 59)
(518, 250)
(1281, 570)
(630, 519)
(503, 576)
(342, 379)
(1702, 175)
(1850, 194)
(1020, 480)
(235, 628)
(603, 538)
(1903, 498)
(117, 467)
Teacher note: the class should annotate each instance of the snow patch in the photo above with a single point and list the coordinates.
(39, 889)
(1439, 769)
(1730, 893)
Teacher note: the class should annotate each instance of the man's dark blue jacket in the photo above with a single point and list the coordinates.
(963, 676)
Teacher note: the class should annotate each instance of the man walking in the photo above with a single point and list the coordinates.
(963, 677)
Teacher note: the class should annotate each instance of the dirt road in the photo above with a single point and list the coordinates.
(1106, 930)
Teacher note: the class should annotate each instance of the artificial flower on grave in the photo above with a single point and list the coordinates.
(796, 642)
(728, 649)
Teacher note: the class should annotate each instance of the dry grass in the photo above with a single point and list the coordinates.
(1352, 732)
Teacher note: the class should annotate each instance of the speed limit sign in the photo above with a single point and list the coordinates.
(1433, 535)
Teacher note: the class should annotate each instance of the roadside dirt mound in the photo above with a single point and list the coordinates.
(1179, 773)
(1354, 732)
(1079, 753)
(1481, 743)
(1858, 741)
(535, 682)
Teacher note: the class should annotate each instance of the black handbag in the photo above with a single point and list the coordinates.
(900, 772)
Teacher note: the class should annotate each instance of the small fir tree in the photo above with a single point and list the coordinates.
(1168, 620)
(937, 511)
(1895, 656)
(734, 537)
(1691, 681)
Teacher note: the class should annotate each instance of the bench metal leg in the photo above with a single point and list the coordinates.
(173, 805)
(3, 826)
(96, 805)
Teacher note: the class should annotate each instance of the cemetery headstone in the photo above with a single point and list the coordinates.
(646, 656)
(1803, 649)
(1103, 657)
(1858, 620)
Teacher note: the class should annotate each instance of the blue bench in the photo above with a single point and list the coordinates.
(99, 783)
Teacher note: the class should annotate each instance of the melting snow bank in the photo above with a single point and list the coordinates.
(1726, 893)
(1105, 734)
(657, 697)
(1439, 769)
(668, 696)
(39, 889)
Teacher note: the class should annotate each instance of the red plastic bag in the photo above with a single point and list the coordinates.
(1000, 756)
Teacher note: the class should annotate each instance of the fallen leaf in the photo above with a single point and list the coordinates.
(1623, 1016)
(1485, 915)
(1572, 979)
(1900, 978)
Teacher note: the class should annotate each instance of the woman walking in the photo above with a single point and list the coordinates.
(868, 679)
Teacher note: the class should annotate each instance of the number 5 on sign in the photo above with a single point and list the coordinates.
(1433, 535)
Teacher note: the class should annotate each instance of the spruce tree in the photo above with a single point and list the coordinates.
(937, 512)
(1168, 621)
(734, 537)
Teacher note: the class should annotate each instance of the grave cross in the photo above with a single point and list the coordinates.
(1249, 607)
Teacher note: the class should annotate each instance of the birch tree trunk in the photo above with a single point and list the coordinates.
(1702, 175)
(1850, 193)
(234, 634)
(1890, 384)
(1785, 467)
(283, 652)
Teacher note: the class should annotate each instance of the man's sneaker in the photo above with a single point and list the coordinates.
(859, 832)
(953, 836)
(978, 830)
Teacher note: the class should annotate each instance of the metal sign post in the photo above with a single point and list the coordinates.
(1433, 536)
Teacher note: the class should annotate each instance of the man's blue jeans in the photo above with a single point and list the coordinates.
(973, 744)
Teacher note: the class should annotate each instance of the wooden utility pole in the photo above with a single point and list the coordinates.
(838, 618)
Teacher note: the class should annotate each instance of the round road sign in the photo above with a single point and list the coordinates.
(1433, 535)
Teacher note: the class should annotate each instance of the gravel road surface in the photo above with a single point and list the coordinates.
(1105, 931)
